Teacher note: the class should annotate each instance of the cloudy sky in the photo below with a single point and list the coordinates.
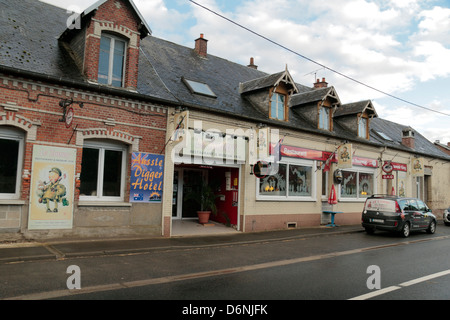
(401, 48)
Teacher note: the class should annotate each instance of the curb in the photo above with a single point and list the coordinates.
(100, 249)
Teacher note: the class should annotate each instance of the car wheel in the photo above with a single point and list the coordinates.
(447, 223)
(432, 228)
(405, 230)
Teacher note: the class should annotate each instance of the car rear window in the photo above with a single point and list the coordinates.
(380, 205)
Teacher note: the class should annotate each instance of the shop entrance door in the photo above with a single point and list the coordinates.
(185, 181)
(192, 182)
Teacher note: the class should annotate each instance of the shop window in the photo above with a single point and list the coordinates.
(274, 185)
(277, 106)
(357, 184)
(10, 163)
(293, 181)
(102, 171)
(111, 61)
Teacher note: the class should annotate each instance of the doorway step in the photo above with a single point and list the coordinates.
(191, 227)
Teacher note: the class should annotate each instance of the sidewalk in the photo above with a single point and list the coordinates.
(67, 248)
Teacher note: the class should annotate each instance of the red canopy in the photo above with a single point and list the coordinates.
(332, 199)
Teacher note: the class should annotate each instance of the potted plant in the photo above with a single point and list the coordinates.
(206, 199)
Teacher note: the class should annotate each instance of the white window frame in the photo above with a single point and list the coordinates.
(13, 134)
(274, 101)
(363, 124)
(111, 57)
(359, 198)
(324, 118)
(102, 146)
(287, 197)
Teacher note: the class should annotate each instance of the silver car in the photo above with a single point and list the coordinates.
(447, 216)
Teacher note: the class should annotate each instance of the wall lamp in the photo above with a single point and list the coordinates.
(65, 103)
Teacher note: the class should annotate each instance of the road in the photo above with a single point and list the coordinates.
(326, 267)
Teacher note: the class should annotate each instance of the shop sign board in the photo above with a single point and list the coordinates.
(209, 147)
(345, 155)
(417, 167)
(147, 176)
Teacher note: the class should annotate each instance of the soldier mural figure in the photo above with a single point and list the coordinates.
(52, 190)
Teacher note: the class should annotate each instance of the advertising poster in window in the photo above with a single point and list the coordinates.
(52, 188)
(147, 175)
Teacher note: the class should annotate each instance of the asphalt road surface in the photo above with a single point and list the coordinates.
(328, 267)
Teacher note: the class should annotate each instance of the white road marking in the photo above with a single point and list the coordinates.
(375, 293)
(401, 285)
(425, 278)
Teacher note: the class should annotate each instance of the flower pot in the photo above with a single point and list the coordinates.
(203, 216)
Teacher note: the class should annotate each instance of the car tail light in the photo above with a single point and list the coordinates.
(399, 210)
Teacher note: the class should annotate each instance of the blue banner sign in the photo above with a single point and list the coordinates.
(147, 175)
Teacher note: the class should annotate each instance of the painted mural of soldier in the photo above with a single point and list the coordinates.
(53, 190)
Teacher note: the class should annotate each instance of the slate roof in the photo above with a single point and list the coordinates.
(312, 95)
(260, 83)
(394, 132)
(29, 32)
(355, 108)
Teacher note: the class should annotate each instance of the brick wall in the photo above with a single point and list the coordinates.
(33, 107)
(115, 17)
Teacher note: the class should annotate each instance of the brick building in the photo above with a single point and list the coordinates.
(108, 128)
(71, 105)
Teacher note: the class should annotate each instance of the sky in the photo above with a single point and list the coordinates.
(395, 53)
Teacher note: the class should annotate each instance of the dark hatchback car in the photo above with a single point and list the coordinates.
(392, 213)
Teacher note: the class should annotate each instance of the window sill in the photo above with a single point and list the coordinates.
(284, 199)
(352, 199)
(85, 203)
(16, 202)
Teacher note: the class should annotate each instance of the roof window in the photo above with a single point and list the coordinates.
(384, 136)
(198, 87)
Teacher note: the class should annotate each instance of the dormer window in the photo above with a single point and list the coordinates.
(356, 117)
(112, 60)
(278, 106)
(324, 118)
(362, 127)
(270, 94)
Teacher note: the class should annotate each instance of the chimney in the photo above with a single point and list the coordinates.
(201, 46)
(319, 84)
(408, 137)
(252, 64)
